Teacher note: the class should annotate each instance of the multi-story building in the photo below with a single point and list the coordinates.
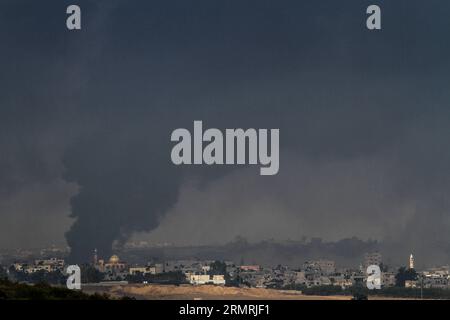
(204, 279)
(435, 281)
(54, 263)
(341, 280)
(139, 270)
(48, 265)
(323, 267)
(372, 258)
(388, 279)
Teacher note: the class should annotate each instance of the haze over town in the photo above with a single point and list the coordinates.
(86, 118)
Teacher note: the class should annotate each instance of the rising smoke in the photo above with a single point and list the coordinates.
(363, 119)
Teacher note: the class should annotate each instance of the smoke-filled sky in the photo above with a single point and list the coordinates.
(86, 118)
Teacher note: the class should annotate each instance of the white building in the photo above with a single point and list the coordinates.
(411, 284)
(48, 265)
(203, 279)
(153, 269)
(35, 268)
(435, 281)
(341, 281)
(51, 264)
(411, 261)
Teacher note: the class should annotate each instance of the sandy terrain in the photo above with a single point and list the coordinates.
(188, 292)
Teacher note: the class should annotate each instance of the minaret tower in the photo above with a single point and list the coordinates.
(411, 261)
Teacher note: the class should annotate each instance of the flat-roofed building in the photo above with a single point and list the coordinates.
(204, 279)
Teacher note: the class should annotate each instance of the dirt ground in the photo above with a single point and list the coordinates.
(188, 292)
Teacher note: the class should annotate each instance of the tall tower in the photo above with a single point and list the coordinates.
(95, 258)
(411, 261)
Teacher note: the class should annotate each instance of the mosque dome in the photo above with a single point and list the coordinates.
(114, 259)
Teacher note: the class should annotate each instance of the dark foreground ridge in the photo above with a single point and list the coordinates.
(20, 291)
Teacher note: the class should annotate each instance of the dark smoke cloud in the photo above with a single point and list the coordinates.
(363, 118)
(126, 182)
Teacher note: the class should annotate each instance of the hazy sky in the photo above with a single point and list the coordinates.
(86, 117)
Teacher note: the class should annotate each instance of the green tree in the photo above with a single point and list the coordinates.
(89, 274)
(218, 267)
(42, 276)
(359, 292)
(384, 267)
(404, 275)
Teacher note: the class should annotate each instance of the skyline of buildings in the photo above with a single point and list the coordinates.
(312, 273)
